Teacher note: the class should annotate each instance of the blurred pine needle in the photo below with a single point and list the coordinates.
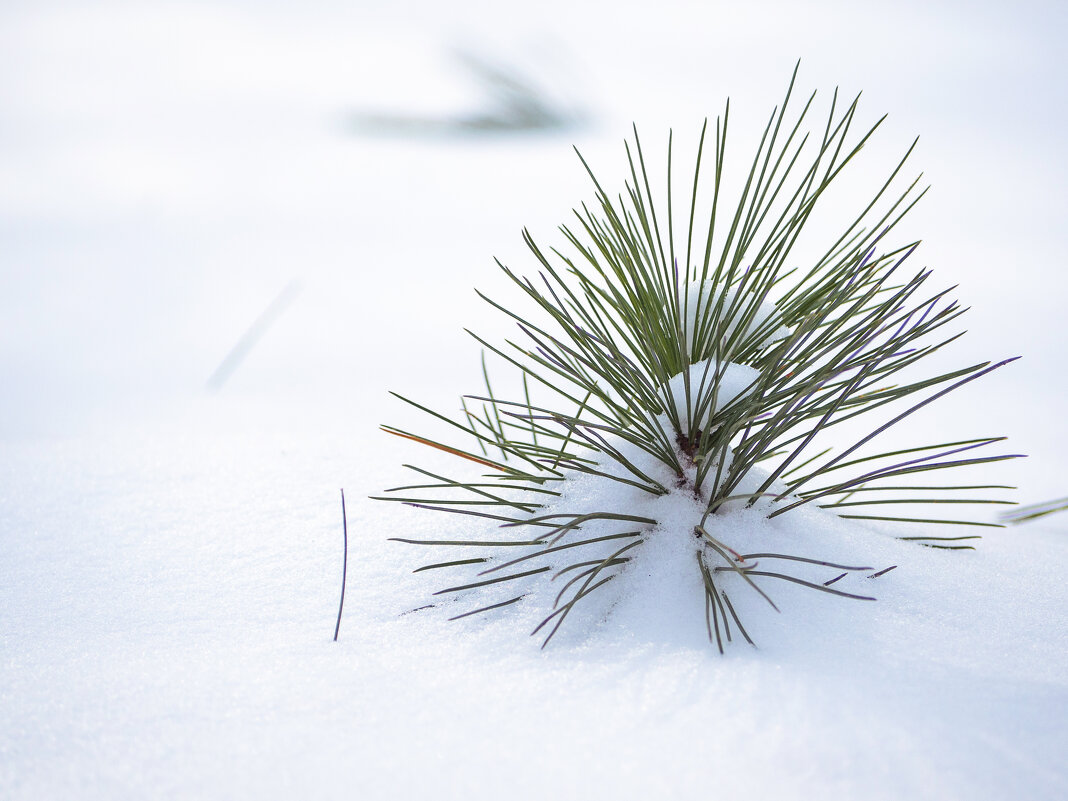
(1025, 514)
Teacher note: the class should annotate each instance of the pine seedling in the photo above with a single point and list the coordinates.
(697, 357)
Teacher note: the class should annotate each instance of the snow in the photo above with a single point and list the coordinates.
(705, 389)
(702, 298)
(170, 556)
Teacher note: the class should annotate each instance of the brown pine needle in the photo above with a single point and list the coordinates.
(445, 448)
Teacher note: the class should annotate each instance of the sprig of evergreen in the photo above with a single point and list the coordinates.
(694, 345)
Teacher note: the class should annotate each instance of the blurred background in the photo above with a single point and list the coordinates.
(285, 206)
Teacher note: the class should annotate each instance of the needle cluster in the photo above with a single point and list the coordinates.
(696, 344)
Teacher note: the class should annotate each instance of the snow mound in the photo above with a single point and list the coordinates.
(652, 589)
(706, 388)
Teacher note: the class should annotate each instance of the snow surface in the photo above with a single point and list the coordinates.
(170, 555)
